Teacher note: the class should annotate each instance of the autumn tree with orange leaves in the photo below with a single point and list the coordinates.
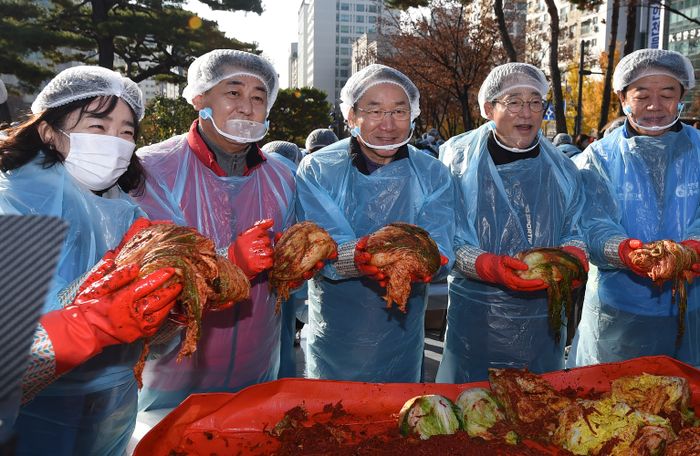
(447, 52)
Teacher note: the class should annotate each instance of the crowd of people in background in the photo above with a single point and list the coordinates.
(483, 196)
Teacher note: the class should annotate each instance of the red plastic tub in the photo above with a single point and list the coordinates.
(233, 423)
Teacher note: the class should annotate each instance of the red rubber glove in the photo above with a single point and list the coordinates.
(116, 308)
(139, 224)
(500, 269)
(252, 250)
(695, 245)
(362, 262)
(623, 251)
(581, 255)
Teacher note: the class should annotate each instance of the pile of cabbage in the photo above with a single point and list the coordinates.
(640, 415)
(475, 411)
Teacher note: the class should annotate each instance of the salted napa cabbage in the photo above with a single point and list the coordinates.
(480, 412)
(429, 415)
(611, 428)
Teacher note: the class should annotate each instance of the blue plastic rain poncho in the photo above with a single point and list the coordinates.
(504, 210)
(91, 410)
(239, 346)
(647, 188)
(352, 335)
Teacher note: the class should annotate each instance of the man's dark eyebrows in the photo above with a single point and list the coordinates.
(239, 83)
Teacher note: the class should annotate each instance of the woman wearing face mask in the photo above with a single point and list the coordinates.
(74, 159)
(643, 181)
(516, 191)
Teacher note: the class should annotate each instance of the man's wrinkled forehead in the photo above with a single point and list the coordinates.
(244, 79)
(371, 94)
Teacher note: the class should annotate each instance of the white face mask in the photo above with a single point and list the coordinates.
(97, 161)
(240, 131)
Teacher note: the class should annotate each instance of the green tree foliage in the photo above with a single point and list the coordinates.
(150, 37)
(296, 113)
(165, 117)
(24, 32)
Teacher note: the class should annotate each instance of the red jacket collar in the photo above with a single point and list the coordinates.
(254, 157)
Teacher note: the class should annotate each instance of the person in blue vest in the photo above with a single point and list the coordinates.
(643, 184)
(74, 159)
(352, 188)
(516, 191)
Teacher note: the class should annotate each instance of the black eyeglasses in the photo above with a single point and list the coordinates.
(516, 105)
(379, 115)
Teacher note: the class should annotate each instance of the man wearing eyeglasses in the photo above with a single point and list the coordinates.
(516, 192)
(353, 188)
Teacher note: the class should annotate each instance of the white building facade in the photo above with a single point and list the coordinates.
(327, 30)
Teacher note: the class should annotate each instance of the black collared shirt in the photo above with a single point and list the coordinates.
(359, 160)
(501, 156)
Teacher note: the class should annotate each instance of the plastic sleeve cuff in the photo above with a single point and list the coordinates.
(611, 251)
(345, 264)
(465, 261)
(41, 370)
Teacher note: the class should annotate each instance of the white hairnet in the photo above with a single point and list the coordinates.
(508, 77)
(213, 67)
(81, 82)
(372, 75)
(3, 92)
(286, 149)
(320, 137)
(562, 138)
(649, 62)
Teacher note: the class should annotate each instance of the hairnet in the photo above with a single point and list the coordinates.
(562, 138)
(213, 67)
(508, 77)
(81, 82)
(3, 92)
(284, 148)
(320, 137)
(372, 75)
(649, 62)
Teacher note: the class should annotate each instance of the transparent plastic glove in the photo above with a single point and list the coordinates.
(363, 264)
(428, 278)
(310, 273)
(114, 308)
(695, 245)
(501, 270)
(624, 249)
(581, 255)
(252, 250)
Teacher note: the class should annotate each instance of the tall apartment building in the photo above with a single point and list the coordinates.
(679, 34)
(293, 66)
(327, 30)
(575, 26)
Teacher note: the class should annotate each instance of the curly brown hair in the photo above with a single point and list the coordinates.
(23, 142)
